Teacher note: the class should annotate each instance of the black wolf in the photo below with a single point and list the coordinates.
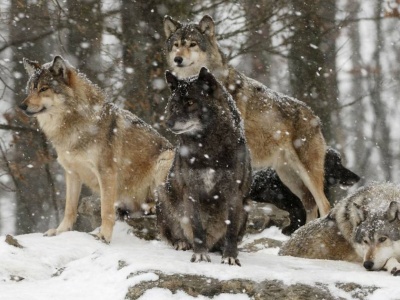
(202, 205)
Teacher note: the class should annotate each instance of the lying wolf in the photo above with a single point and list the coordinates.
(282, 132)
(109, 149)
(267, 187)
(364, 227)
(202, 204)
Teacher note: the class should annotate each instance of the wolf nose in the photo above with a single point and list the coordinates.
(170, 123)
(368, 264)
(23, 106)
(178, 60)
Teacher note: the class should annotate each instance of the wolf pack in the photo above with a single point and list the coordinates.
(237, 141)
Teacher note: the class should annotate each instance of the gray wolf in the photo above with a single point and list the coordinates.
(364, 227)
(267, 187)
(110, 150)
(282, 132)
(202, 205)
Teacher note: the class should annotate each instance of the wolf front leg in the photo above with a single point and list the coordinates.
(73, 190)
(199, 233)
(235, 215)
(108, 196)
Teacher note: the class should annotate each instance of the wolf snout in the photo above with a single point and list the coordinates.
(368, 264)
(178, 60)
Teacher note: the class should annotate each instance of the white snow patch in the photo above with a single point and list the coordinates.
(89, 269)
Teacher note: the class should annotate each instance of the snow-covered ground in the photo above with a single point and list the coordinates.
(75, 266)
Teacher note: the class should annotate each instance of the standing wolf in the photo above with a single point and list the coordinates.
(363, 227)
(202, 204)
(282, 132)
(109, 149)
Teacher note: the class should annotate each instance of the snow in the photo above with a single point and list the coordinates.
(74, 265)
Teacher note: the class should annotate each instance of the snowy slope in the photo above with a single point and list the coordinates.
(74, 265)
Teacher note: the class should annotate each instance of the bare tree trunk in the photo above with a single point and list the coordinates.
(85, 36)
(35, 195)
(143, 57)
(312, 60)
(257, 64)
(361, 150)
(382, 133)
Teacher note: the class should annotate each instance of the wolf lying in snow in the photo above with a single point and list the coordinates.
(365, 227)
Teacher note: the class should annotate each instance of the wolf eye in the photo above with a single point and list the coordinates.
(43, 89)
(193, 44)
(176, 44)
(382, 239)
(365, 242)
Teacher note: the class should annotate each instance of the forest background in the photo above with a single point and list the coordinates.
(341, 57)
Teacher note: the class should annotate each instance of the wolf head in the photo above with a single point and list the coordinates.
(192, 46)
(195, 103)
(47, 86)
(336, 173)
(58, 88)
(377, 238)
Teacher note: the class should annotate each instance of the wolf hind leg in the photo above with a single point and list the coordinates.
(309, 184)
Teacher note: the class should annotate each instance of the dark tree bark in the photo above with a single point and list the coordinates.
(143, 57)
(84, 36)
(312, 59)
(382, 133)
(35, 194)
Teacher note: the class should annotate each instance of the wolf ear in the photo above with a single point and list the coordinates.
(393, 211)
(172, 80)
(207, 25)
(208, 78)
(170, 26)
(359, 213)
(30, 66)
(59, 68)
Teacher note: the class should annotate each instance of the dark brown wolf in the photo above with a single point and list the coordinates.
(202, 204)
(282, 132)
(109, 149)
(267, 187)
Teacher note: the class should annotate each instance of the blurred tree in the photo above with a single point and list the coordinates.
(382, 131)
(142, 41)
(35, 193)
(84, 36)
(312, 63)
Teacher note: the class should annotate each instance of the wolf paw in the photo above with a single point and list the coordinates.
(197, 257)
(99, 236)
(231, 261)
(395, 272)
(181, 245)
(51, 232)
